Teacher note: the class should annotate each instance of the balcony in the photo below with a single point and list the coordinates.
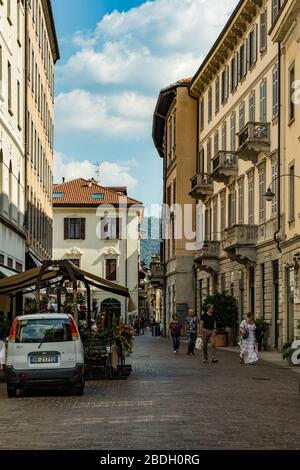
(208, 257)
(253, 139)
(202, 186)
(240, 243)
(157, 274)
(224, 166)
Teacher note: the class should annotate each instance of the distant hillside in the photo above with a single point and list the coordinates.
(150, 246)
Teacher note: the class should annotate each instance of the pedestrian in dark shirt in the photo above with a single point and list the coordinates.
(192, 322)
(208, 331)
(175, 330)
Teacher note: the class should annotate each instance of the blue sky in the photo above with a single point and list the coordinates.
(116, 55)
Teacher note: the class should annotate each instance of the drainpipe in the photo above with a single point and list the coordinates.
(277, 240)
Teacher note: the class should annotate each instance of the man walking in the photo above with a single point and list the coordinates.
(208, 331)
(192, 322)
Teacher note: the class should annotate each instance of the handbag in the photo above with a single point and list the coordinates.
(198, 344)
(245, 334)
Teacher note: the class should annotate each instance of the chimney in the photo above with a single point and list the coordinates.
(63, 179)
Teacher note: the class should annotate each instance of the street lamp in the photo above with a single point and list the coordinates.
(270, 195)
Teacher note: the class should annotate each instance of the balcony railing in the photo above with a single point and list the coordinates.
(253, 139)
(157, 273)
(210, 249)
(202, 186)
(241, 235)
(224, 165)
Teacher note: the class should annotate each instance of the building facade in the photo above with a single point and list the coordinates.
(12, 128)
(174, 135)
(237, 89)
(41, 55)
(97, 229)
(286, 34)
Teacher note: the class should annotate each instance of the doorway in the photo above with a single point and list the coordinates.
(290, 285)
(251, 274)
(275, 303)
(111, 309)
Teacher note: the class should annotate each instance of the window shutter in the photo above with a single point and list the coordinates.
(248, 51)
(82, 229)
(66, 229)
(255, 45)
(118, 228)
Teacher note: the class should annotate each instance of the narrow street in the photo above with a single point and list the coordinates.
(169, 402)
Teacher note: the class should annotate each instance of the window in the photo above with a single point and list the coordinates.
(232, 132)
(263, 102)
(215, 219)
(209, 105)
(9, 90)
(263, 31)
(98, 196)
(200, 162)
(243, 61)
(241, 201)
(58, 195)
(253, 46)
(201, 113)
(208, 155)
(231, 206)
(252, 107)
(207, 224)
(274, 186)
(275, 9)
(216, 143)
(2, 260)
(111, 270)
(19, 105)
(242, 116)
(291, 93)
(19, 31)
(225, 84)
(19, 267)
(74, 229)
(251, 198)
(262, 190)
(174, 132)
(292, 193)
(217, 96)
(1, 71)
(110, 228)
(275, 92)
(233, 72)
(10, 263)
(223, 282)
(9, 12)
(223, 212)
(224, 136)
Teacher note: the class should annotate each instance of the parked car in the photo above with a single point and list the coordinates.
(44, 350)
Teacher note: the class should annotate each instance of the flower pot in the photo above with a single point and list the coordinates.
(222, 340)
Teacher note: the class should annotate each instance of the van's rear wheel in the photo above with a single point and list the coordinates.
(11, 391)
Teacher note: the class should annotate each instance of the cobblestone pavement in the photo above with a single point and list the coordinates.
(169, 402)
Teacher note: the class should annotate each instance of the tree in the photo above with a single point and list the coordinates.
(226, 309)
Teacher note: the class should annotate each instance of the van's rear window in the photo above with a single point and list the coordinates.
(46, 330)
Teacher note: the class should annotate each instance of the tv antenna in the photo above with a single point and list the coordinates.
(98, 171)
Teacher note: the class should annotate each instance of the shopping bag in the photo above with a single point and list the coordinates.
(198, 344)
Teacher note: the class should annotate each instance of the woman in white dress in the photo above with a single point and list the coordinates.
(248, 343)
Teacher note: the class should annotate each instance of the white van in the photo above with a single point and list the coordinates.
(44, 350)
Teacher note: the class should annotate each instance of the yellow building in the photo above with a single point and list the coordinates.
(238, 139)
(174, 135)
(41, 55)
(286, 33)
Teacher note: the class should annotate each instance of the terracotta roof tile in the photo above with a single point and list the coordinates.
(81, 192)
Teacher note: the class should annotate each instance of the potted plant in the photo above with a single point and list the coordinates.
(260, 331)
(226, 309)
(288, 350)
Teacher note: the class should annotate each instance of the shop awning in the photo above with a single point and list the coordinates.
(34, 261)
(57, 272)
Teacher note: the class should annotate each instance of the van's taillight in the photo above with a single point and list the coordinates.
(73, 328)
(13, 331)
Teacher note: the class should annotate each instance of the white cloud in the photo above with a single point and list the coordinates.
(127, 115)
(150, 46)
(111, 174)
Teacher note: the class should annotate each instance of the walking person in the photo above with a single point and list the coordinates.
(208, 331)
(192, 322)
(175, 331)
(248, 344)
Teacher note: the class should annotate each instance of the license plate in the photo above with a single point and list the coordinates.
(43, 359)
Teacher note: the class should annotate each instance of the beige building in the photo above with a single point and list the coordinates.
(12, 163)
(97, 228)
(41, 55)
(174, 135)
(286, 32)
(238, 157)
